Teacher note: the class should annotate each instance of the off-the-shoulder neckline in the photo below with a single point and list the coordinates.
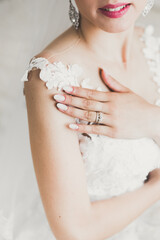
(149, 46)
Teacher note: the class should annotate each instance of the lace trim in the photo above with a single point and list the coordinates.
(152, 53)
(56, 74)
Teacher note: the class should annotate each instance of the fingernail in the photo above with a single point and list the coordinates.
(73, 126)
(62, 106)
(68, 89)
(101, 70)
(59, 97)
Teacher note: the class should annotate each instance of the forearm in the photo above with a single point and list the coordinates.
(110, 216)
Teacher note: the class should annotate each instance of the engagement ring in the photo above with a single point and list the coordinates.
(98, 117)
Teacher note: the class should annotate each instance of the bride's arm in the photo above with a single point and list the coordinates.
(61, 175)
(114, 214)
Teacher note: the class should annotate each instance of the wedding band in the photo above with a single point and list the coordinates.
(98, 117)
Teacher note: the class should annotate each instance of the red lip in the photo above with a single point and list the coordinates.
(115, 14)
(114, 5)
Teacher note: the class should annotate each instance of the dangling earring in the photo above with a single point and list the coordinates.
(74, 15)
(148, 7)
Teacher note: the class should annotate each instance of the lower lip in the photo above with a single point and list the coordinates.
(116, 14)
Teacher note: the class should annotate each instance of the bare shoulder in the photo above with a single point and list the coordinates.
(61, 46)
(60, 49)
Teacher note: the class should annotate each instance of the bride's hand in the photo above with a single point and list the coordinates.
(124, 113)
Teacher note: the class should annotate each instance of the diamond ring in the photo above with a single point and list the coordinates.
(98, 117)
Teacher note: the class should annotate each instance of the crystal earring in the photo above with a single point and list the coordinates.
(74, 15)
(148, 7)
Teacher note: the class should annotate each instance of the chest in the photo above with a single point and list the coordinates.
(137, 76)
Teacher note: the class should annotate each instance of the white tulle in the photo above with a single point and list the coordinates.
(113, 166)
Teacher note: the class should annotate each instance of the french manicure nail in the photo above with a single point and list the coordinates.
(68, 89)
(73, 126)
(62, 106)
(59, 97)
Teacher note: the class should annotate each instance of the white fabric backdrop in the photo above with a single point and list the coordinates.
(26, 27)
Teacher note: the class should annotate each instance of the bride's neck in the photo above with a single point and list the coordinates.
(114, 47)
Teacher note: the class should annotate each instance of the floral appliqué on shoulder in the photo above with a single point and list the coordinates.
(56, 74)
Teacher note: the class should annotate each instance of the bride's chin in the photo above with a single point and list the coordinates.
(116, 27)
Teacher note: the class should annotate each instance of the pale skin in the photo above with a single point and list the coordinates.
(57, 160)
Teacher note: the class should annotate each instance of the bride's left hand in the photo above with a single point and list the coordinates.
(124, 113)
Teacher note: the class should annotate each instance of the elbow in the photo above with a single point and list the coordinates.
(68, 234)
(71, 233)
(72, 230)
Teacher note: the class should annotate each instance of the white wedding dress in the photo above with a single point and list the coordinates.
(122, 164)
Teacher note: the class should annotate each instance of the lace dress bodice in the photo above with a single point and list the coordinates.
(113, 166)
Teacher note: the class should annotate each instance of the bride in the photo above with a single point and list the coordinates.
(94, 124)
